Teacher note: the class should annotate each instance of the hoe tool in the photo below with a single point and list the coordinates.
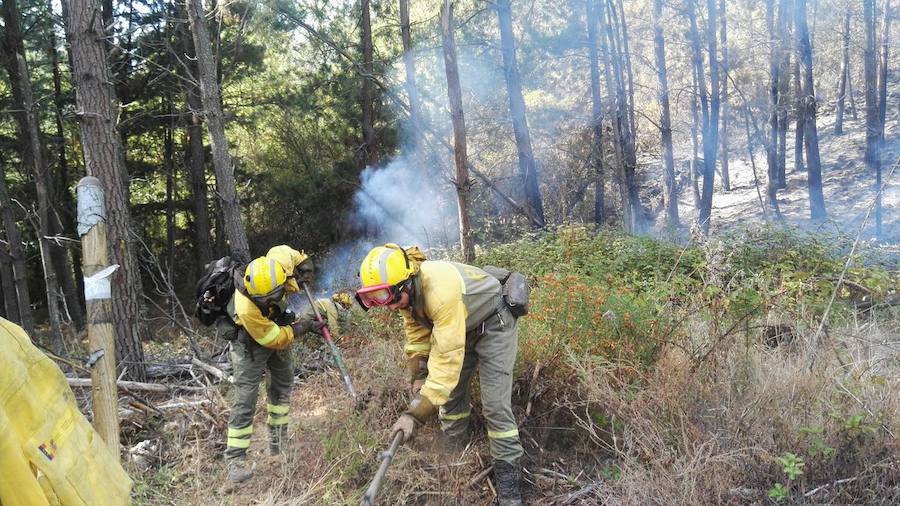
(326, 332)
(368, 498)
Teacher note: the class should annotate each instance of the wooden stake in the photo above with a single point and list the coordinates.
(92, 229)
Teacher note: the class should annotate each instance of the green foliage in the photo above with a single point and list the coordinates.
(855, 425)
(778, 492)
(817, 445)
(791, 465)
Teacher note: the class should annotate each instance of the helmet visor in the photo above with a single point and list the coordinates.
(377, 295)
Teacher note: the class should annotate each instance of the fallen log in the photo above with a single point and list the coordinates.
(134, 385)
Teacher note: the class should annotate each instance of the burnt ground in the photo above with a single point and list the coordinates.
(848, 185)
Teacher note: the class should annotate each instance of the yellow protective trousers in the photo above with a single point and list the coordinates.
(49, 453)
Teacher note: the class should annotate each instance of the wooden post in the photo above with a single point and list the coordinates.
(92, 229)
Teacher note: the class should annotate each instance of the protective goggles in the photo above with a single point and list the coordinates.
(272, 297)
(378, 295)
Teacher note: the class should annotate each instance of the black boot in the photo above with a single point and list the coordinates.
(508, 478)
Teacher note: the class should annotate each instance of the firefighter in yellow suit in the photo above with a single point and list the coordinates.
(265, 331)
(49, 453)
(455, 321)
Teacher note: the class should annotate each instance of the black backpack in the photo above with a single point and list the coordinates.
(214, 290)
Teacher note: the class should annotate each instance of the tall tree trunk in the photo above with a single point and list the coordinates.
(726, 67)
(596, 159)
(22, 299)
(103, 158)
(801, 118)
(195, 156)
(882, 110)
(369, 154)
(12, 52)
(527, 166)
(215, 122)
(711, 127)
(871, 79)
(73, 284)
(409, 64)
(623, 118)
(843, 76)
(169, 163)
(694, 165)
(10, 305)
(454, 93)
(626, 56)
(670, 195)
(772, 172)
(811, 136)
(784, 84)
(700, 77)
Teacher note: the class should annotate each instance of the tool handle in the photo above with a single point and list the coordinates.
(368, 499)
(335, 351)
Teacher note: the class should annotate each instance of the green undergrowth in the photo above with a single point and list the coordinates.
(624, 297)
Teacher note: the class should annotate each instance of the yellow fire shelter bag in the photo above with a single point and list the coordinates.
(49, 453)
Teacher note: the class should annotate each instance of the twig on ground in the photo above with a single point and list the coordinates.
(832, 484)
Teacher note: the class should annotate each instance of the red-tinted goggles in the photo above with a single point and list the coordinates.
(378, 295)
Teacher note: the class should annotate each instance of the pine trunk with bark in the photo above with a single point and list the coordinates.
(726, 67)
(454, 93)
(882, 111)
(596, 157)
(670, 194)
(772, 173)
(616, 64)
(195, 156)
(104, 159)
(528, 170)
(711, 125)
(70, 262)
(409, 65)
(784, 85)
(843, 77)
(12, 54)
(873, 115)
(369, 153)
(808, 107)
(801, 118)
(215, 122)
(18, 301)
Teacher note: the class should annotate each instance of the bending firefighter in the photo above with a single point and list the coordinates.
(265, 330)
(455, 320)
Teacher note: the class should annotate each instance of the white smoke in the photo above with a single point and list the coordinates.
(401, 202)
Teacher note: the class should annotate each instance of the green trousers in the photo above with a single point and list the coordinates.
(491, 349)
(250, 362)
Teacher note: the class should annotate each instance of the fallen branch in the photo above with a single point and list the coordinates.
(215, 371)
(823, 487)
(480, 476)
(134, 385)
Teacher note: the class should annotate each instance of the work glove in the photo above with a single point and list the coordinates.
(307, 325)
(421, 408)
(407, 424)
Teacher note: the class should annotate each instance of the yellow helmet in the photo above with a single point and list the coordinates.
(385, 265)
(264, 276)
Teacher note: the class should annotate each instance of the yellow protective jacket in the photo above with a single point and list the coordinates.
(49, 453)
(450, 300)
(248, 315)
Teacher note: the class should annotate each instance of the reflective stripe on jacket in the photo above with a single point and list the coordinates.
(248, 315)
(455, 298)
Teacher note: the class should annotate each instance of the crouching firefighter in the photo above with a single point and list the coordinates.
(265, 330)
(455, 321)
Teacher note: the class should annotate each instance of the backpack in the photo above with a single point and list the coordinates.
(214, 290)
(514, 288)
